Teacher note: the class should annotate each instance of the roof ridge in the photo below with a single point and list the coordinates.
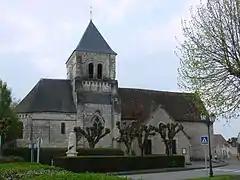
(54, 79)
(149, 90)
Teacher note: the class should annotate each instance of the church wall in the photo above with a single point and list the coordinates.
(158, 147)
(106, 112)
(48, 127)
(95, 86)
(195, 130)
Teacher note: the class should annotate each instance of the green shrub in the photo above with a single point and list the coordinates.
(118, 163)
(17, 171)
(11, 159)
(73, 176)
(47, 154)
(35, 171)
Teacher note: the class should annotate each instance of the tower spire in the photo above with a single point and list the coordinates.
(90, 13)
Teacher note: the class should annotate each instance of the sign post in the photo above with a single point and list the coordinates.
(204, 142)
(39, 141)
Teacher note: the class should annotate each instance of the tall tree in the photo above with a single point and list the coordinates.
(92, 134)
(210, 55)
(10, 126)
(143, 132)
(128, 132)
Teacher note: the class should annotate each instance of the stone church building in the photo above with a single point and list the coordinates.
(91, 94)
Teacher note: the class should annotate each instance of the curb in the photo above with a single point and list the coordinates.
(151, 171)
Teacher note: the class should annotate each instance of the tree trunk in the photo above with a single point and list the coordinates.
(142, 151)
(167, 147)
(127, 149)
(91, 145)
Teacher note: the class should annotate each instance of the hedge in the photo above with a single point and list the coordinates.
(47, 154)
(118, 163)
(35, 171)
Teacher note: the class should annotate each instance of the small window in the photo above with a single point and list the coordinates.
(99, 71)
(90, 70)
(63, 128)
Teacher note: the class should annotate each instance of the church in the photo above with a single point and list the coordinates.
(53, 107)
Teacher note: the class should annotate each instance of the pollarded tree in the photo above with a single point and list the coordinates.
(173, 130)
(128, 132)
(162, 130)
(167, 133)
(210, 55)
(143, 132)
(92, 134)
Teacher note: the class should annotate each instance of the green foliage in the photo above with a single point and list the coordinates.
(210, 58)
(118, 163)
(25, 170)
(47, 154)
(10, 126)
(34, 171)
(93, 134)
(74, 176)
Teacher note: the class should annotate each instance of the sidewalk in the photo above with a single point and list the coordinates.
(195, 165)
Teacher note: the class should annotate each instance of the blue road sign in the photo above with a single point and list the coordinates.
(204, 140)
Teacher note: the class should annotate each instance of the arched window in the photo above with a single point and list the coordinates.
(99, 71)
(63, 128)
(90, 70)
(97, 122)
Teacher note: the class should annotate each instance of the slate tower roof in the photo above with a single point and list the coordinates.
(93, 41)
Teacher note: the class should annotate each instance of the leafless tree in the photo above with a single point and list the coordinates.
(143, 132)
(167, 133)
(93, 134)
(127, 135)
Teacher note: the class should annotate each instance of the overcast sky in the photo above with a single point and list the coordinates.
(37, 37)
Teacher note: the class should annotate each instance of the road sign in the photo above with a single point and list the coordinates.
(204, 140)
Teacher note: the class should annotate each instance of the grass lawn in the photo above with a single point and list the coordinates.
(219, 177)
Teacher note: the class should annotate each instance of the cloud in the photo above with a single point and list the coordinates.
(116, 11)
(44, 30)
(163, 37)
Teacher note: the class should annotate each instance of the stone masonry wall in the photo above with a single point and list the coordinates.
(195, 131)
(48, 127)
(77, 65)
(106, 113)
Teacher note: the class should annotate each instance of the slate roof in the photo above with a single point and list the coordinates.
(53, 95)
(93, 41)
(139, 103)
(48, 95)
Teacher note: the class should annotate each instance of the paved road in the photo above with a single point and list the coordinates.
(232, 168)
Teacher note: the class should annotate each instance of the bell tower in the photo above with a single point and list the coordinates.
(92, 71)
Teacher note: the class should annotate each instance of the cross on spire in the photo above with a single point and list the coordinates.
(90, 12)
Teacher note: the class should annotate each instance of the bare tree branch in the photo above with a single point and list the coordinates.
(210, 55)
